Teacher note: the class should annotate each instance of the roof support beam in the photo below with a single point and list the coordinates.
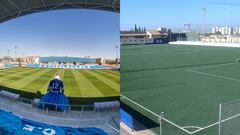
(12, 3)
(25, 3)
(44, 5)
(60, 4)
(114, 6)
(86, 2)
(114, 2)
(12, 9)
(5, 9)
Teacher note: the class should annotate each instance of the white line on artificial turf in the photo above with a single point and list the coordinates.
(211, 66)
(215, 123)
(156, 114)
(193, 70)
(213, 75)
(198, 128)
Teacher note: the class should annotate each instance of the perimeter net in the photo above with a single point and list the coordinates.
(229, 118)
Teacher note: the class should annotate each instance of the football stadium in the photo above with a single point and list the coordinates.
(58, 95)
(181, 89)
(84, 80)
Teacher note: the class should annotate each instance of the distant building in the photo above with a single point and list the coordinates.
(135, 37)
(158, 36)
(221, 39)
(162, 30)
(32, 59)
(226, 30)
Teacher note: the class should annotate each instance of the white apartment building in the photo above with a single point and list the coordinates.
(226, 30)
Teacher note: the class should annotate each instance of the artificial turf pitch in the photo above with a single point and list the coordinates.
(78, 83)
(185, 82)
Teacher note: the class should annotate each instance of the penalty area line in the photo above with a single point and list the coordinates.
(217, 65)
(213, 75)
(216, 123)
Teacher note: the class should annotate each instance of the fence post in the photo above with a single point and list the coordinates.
(160, 123)
(82, 108)
(220, 119)
(56, 107)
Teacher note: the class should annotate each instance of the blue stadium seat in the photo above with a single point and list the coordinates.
(64, 66)
(54, 101)
(11, 124)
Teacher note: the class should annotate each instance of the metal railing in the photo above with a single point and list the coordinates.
(70, 108)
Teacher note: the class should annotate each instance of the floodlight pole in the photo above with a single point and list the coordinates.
(8, 56)
(204, 20)
(170, 36)
(15, 53)
(116, 56)
(22, 58)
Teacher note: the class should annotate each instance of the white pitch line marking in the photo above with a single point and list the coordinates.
(156, 114)
(195, 127)
(213, 75)
(193, 70)
(215, 123)
(211, 66)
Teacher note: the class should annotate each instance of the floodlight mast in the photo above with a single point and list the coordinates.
(204, 20)
(15, 53)
(116, 55)
(8, 59)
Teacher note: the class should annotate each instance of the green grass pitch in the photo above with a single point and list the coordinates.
(185, 82)
(78, 83)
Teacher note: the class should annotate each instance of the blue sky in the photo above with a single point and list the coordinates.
(175, 13)
(62, 33)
